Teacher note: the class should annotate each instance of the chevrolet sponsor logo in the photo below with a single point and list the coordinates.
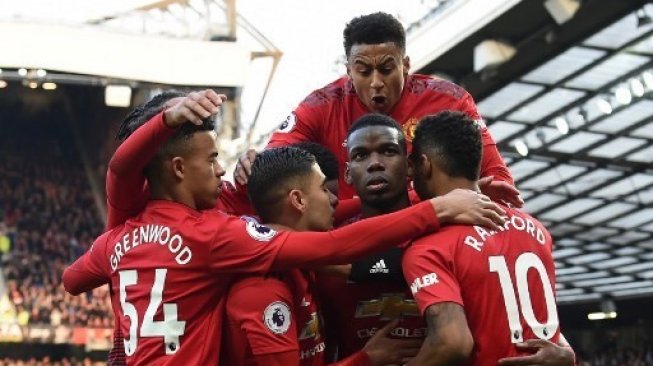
(388, 307)
(311, 328)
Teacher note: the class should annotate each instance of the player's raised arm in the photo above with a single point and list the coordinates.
(125, 179)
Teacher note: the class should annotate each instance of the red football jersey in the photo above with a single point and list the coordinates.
(355, 311)
(273, 314)
(505, 281)
(169, 270)
(326, 115)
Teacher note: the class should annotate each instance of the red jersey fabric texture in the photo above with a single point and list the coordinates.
(271, 316)
(505, 281)
(326, 115)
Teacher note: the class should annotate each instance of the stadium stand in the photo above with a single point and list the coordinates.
(47, 219)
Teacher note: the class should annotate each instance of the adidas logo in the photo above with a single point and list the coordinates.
(379, 267)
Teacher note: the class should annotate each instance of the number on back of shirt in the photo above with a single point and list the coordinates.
(524, 263)
(170, 328)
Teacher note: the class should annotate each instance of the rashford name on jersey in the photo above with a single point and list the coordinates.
(151, 234)
(516, 222)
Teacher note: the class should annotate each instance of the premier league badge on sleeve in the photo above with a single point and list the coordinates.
(277, 317)
(257, 231)
(287, 125)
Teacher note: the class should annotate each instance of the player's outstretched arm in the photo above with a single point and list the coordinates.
(125, 179)
(449, 340)
(352, 242)
(88, 271)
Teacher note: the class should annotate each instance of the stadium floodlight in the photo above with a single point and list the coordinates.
(41, 73)
(623, 95)
(562, 125)
(521, 147)
(33, 85)
(492, 53)
(648, 79)
(608, 311)
(601, 315)
(22, 71)
(117, 96)
(636, 87)
(643, 19)
(3, 84)
(49, 86)
(604, 106)
(0, 71)
(562, 10)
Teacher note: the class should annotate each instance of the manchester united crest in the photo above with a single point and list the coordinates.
(409, 128)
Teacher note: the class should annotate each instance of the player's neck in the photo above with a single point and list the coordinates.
(368, 210)
(159, 193)
(446, 186)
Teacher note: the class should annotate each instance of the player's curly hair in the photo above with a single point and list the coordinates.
(374, 28)
(324, 157)
(455, 139)
(378, 119)
(144, 112)
(275, 172)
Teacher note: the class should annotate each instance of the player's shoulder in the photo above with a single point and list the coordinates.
(445, 235)
(426, 86)
(333, 92)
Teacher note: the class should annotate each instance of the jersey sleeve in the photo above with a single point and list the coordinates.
(125, 185)
(429, 271)
(303, 124)
(491, 163)
(245, 246)
(265, 317)
(89, 271)
(355, 241)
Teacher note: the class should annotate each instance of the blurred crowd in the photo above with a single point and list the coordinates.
(47, 362)
(47, 219)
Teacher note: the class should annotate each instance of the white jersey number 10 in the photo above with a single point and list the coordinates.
(524, 263)
(170, 328)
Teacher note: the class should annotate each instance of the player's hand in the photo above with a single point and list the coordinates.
(546, 354)
(244, 166)
(500, 191)
(383, 350)
(193, 108)
(464, 206)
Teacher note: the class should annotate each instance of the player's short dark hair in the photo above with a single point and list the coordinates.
(455, 139)
(324, 157)
(374, 28)
(144, 112)
(378, 119)
(275, 172)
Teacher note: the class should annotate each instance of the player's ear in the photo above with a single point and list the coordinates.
(297, 200)
(406, 62)
(425, 167)
(348, 179)
(177, 164)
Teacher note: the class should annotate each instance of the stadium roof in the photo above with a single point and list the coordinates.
(576, 128)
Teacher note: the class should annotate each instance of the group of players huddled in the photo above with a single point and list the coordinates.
(379, 227)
